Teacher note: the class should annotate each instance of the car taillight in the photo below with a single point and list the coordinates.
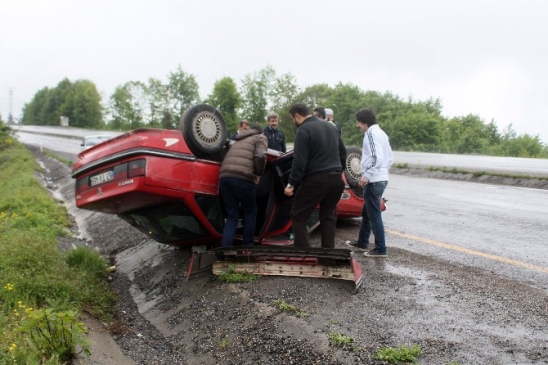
(81, 185)
(136, 168)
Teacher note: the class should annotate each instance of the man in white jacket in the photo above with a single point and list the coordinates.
(377, 158)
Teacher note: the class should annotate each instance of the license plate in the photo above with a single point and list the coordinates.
(101, 178)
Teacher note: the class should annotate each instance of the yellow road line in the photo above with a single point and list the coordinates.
(471, 252)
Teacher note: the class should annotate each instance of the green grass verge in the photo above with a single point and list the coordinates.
(40, 286)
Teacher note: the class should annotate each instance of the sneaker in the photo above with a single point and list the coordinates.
(374, 253)
(354, 246)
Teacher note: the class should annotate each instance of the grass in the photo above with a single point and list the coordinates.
(290, 308)
(63, 160)
(41, 287)
(337, 339)
(401, 354)
(233, 276)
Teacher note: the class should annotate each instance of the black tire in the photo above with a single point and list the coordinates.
(352, 170)
(204, 130)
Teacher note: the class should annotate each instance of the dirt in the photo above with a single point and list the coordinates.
(456, 314)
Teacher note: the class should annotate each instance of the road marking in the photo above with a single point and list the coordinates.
(471, 252)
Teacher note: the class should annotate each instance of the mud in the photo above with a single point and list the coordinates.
(456, 314)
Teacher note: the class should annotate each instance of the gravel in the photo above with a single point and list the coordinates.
(456, 314)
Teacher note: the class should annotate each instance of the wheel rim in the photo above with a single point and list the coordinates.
(208, 128)
(353, 162)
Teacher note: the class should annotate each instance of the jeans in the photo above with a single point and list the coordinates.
(238, 192)
(322, 189)
(371, 216)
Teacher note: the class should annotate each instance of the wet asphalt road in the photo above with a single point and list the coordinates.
(501, 229)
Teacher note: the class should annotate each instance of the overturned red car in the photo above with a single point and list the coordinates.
(165, 183)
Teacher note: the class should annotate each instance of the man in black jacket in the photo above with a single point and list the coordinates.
(318, 159)
(276, 138)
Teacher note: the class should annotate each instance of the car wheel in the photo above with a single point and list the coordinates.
(352, 171)
(204, 130)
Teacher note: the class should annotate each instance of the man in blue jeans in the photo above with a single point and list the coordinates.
(241, 169)
(377, 158)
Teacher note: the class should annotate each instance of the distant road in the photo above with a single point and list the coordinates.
(515, 165)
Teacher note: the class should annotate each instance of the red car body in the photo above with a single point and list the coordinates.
(152, 179)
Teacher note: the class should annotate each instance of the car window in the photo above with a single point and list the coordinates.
(166, 223)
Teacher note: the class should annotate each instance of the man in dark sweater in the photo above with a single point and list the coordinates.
(318, 159)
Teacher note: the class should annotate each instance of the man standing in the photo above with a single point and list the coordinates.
(377, 158)
(276, 138)
(241, 169)
(318, 160)
(330, 117)
(243, 125)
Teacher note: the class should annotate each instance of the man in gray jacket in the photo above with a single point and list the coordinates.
(241, 169)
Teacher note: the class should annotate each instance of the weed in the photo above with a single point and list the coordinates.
(290, 308)
(401, 165)
(337, 339)
(233, 276)
(224, 344)
(400, 354)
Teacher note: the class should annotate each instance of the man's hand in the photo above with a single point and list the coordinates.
(257, 179)
(363, 181)
(289, 190)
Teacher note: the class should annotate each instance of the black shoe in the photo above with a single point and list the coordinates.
(354, 246)
(374, 253)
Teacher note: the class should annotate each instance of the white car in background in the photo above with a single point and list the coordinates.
(90, 141)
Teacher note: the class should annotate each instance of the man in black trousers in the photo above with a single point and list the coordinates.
(318, 159)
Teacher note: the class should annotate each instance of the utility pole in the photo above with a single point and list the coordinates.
(10, 98)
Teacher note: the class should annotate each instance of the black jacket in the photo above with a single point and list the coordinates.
(317, 150)
(276, 139)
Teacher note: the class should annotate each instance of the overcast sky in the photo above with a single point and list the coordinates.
(483, 57)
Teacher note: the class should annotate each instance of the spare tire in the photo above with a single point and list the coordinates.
(352, 170)
(204, 130)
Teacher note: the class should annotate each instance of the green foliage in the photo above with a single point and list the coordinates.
(226, 98)
(34, 273)
(79, 100)
(289, 308)
(63, 160)
(54, 334)
(400, 354)
(224, 344)
(256, 89)
(233, 276)
(337, 339)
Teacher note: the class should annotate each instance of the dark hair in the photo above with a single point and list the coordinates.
(244, 122)
(257, 127)
(320, 111)
(300, 109)
(366, 116)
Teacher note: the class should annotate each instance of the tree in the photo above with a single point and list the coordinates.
(226, 98)
(182, 93)
(80, 101)
(256, 91)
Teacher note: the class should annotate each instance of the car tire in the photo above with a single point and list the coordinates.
(352, 169)
(204, 130)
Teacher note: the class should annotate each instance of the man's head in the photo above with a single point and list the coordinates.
(320, 112)
(257, 127)
(272, 120)
(243, 125)
(365, 118)
(299, 112)
(329, 114)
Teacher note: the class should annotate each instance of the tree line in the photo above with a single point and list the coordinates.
(412, 125)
